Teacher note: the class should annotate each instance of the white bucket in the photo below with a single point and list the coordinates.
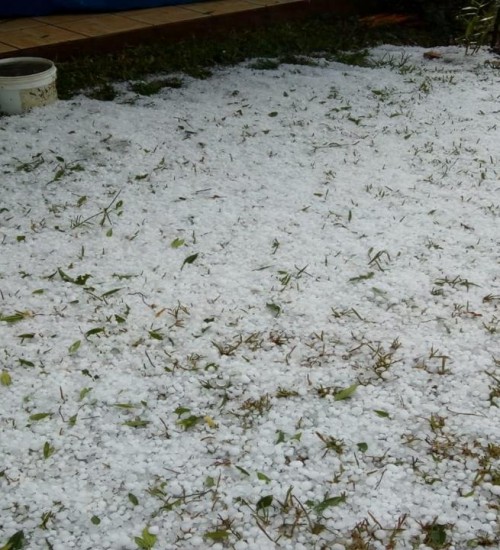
(26, 82)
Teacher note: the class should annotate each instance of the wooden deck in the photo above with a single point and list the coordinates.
(65, 36)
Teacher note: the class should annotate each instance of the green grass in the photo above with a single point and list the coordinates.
(271, 45)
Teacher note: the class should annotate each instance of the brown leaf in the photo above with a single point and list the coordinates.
(432, 54)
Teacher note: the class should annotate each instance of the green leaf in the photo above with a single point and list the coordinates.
(345, 393)
(83, 393)
(74, 347)
(274, 308)
(368, 275)
(273, 114)
(179, 411)
(40, 416)
(38, 291)
(26, 363)
(95, 520)
(332, 501)
(209, 482)
(263, 477)
(124, 405)
(26, 336)
(264, 502)
(383, 414)
(65, 277)
(110, 292)
(216, 535)
(363, 447)
(281, 437)
(155, 335)
(137, 423)
(133, 499)
(242, 470)
(147, 541)
(80, 280)
(16, 542)
(20, 238)
(14, 317)
(48, 450)
(189, 422)
(177, 243)
(92, 331)
(59, 174)
(72, 420)
(109, 232)
(189, 260)
(5, 378)
(122, 276)
(436, 536)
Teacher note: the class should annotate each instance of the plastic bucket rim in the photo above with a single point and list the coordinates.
(50, 68)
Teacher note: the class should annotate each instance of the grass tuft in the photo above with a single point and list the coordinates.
(298, 42)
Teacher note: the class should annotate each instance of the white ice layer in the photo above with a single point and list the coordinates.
(189, 281)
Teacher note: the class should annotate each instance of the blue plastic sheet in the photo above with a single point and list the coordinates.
(33, 8)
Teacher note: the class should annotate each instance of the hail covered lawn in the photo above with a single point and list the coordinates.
(258, 311)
